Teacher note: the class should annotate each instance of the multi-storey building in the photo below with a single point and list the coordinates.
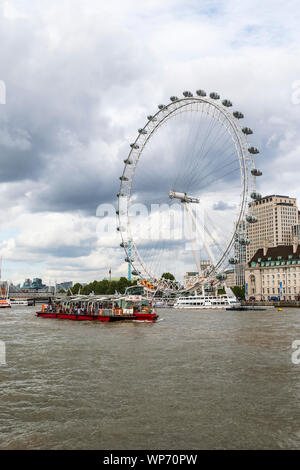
(274, 272)
(276, 215)
(191, 277)
(27, 284)
(296, 231)
(36, 284)
(240, 255)
(64, 285)
(230, 278)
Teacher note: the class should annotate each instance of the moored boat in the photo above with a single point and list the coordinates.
(26, 302)
(206, 301)
(4, 293)
(160, 304)
(5, 303)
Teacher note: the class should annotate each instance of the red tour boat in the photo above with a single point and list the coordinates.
(104, 309)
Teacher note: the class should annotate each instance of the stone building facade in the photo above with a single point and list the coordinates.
(274, 273)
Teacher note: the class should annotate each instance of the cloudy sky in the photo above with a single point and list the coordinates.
(81, 77)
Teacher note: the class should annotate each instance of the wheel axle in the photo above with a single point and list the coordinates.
(183, 197)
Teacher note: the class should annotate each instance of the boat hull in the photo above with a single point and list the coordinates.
(142, 317)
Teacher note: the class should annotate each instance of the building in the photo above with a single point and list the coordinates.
(240, 254)
(36, 284)
(274, 272)
(230, 278)
(296, 231)
(191, 276)
(64, 286)
(276, 215)
(27, 284)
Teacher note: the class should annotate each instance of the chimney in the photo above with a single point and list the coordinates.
(265, 246)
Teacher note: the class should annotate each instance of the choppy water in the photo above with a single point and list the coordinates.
(198, 379)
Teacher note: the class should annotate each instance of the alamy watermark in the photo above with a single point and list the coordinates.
(296, 354)
(295, 97)
(2, 353)
(2, 92)
(157, 222)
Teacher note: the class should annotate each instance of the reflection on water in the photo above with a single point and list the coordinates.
(195, 380)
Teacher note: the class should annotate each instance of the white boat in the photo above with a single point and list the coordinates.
(20, 302)
(4, 303)
(4, 299)
(160, 304)
(206, 301)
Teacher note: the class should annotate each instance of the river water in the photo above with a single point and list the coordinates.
(196, 380)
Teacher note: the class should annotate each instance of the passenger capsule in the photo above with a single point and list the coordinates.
(161, 106)
(238, 115)
(201, 93)
(247, 130)
(128, 260)
(244, 241)
(255, 196)
(135, 273)
(226, 103)
(123, 245)
(173, 98)
(142, 131)
(256, 172)
(123, 178)
(120, 195)
(117, 212)
(221, 276)
(151, 118)
(128, 161)
(120, 229)
(251, 219)
(214, 96)
(187, 94)
(134, 146)
(233, 260)
(253, 150)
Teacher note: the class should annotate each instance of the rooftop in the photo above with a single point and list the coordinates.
(270, 197)
(278, 195)
(272, 254)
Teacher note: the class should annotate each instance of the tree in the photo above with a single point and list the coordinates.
(122, 284)
(75, 289)
(239, 292)
(168, 276)
(103, 287)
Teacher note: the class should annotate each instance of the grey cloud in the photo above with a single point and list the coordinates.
(223, 206)
(59, 97)
(63, 251)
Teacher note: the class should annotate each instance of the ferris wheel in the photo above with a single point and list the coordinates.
(191, 157)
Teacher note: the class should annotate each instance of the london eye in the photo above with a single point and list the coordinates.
(185, 190)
